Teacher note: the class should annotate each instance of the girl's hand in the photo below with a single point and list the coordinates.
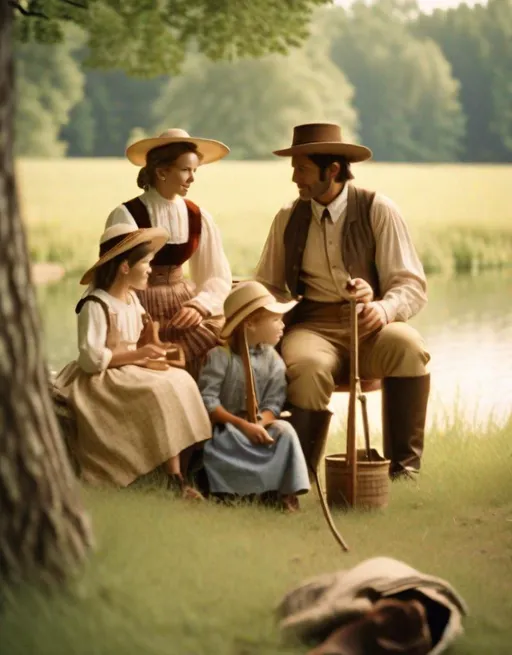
(123, 356)
(187, 317)
(256, 434)
(150, 351)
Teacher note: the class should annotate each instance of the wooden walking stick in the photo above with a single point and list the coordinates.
(351, 419)
(251, 402)
(327, 512)
(252, 415)
(355, 393)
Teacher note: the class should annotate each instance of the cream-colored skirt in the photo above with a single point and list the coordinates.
(131, 420)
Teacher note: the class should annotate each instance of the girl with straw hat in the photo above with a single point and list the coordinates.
(189, 313)
(130, 419)
(243, 386)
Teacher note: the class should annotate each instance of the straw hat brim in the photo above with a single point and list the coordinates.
(232, 322)
(210, 149)
(156, 236)
(353, 152)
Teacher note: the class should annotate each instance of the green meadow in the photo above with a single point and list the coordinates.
(171, 578)
(460, 215)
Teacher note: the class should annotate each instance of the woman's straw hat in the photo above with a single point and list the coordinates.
(246, 298)
(323, 139)
(124, 237)
(210, 150)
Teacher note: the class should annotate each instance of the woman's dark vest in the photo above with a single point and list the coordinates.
(172, 254)
(357, 240)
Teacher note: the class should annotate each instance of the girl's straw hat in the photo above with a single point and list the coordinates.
(210, 150)
(122, 237)
(246, 298)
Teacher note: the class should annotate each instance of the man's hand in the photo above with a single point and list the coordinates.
(371, 318)
(360, 290)
(187, 317)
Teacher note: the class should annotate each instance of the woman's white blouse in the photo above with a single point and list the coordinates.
(208, 266)
(94, 356)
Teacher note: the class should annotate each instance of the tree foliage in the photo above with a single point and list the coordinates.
(113, 105)
(498, 31)
(405, 94)
(50, 84)
(150, 37)
(252, 104)
(425, 87)
(477, 42)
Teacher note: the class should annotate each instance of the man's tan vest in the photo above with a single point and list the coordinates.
(357, 240)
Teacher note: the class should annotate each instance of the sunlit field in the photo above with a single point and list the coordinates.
(460, 215)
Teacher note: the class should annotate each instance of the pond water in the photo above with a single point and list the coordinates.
(467, 326)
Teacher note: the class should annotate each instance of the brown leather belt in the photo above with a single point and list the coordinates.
(312, 310)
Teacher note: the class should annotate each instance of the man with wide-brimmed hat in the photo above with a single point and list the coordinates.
(336, 232)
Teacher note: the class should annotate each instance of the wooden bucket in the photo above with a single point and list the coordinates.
(372, 480)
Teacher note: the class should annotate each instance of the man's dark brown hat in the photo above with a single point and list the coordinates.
(323, 139)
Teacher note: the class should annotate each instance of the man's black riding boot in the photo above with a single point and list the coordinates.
(312, 428)
(404, 410)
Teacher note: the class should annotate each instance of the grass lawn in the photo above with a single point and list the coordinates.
(173, 578)
(168, 577)
(460, 215)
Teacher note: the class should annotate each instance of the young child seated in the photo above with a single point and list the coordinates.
(243, 457)
(130, 418)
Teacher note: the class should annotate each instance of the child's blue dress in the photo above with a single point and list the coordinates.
(233, 464)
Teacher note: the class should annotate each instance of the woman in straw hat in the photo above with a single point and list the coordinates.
(245, 457)
(130, 418)
(189, 314)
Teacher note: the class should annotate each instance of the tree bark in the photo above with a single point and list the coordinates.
(44, 531)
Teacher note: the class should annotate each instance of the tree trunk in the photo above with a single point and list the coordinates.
(44, 532)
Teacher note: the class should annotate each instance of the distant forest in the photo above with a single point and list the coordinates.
(412, 86)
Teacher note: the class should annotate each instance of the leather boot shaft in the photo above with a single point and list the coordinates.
(312, 428)
(404, 411)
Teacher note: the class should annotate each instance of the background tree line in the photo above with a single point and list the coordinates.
(412, 86)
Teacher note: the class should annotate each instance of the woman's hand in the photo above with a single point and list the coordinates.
(360, 290)
(256, 433)
(187, 317)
